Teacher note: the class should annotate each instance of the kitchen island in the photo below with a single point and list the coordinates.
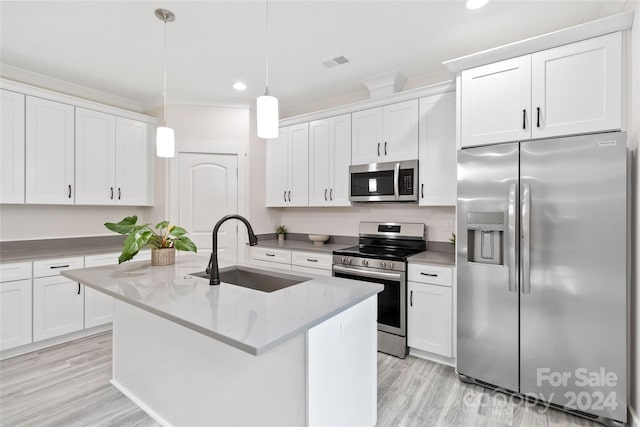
(193, 354)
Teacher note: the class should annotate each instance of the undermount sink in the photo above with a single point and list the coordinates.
(258, 280)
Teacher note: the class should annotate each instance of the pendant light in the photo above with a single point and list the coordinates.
(165, 141)
(267, 105)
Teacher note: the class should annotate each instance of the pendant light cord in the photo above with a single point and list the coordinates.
(266, 91)
(164, 121)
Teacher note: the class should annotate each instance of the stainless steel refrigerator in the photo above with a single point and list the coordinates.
(542, 271)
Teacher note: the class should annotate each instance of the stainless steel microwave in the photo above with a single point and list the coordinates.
(384, 182)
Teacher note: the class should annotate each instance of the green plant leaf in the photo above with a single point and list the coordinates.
(162, 224)
(133, 243)
(178, 231)
(184, 243)
(125, 226)
(155, 241)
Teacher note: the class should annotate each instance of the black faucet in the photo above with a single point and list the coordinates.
(212, 269)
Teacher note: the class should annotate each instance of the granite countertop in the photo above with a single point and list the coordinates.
(301, 245)
(247, 319)
(30, 250)
(434, 258)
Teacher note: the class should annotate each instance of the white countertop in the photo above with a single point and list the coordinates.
(434, 258)
(247, 319)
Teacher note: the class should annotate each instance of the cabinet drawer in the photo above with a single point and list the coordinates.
(268, 265)
(312, 260)
(271, 255)
(430, 274)
(15, 271)
(309, 270)
(53, 267)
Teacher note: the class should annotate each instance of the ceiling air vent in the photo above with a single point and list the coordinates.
(338, 60)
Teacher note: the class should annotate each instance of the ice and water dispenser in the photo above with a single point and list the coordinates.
(486, 232)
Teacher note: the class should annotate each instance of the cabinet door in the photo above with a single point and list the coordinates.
(58, 307)
(133, 163)
(429, 318)
(50, 134)
(340, 155)
(15, 314)
(577, 88)
(400, 131)
(298, 166)
(366, 137)
(437, 159)
(95, 157)
(11, 147)
(277, 170)
(98, 307)
(320, 164)
(496, 102)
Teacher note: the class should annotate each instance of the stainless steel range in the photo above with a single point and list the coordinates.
(381, 257)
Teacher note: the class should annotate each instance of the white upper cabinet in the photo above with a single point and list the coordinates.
(11, 147)
(288, 167)
(49, 152)
(329, 159)
(134, 168)
(385, 134)
(95, 157)
(496, 102)
(566, 90)
(577, 88)
(437, 160)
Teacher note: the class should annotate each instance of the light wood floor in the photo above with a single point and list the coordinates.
(68, 385)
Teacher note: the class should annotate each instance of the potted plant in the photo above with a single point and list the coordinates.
(281, 230)
(164, 243)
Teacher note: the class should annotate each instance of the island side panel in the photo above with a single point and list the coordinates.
(342, 368)
(181, 377)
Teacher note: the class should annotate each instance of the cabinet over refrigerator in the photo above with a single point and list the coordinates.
(542, 271)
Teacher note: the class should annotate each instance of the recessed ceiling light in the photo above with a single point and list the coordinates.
(239, 86)
(475, 4)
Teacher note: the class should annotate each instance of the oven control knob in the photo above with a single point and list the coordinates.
(365, 262)
(383, 264)
(343, 260)
(349, 260)
(390, 265)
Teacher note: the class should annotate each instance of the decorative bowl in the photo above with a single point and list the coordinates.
(318, 239)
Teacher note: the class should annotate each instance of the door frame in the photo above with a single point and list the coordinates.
(208, 146)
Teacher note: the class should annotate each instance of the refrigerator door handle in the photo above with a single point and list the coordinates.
(512, 229)
(526, 239)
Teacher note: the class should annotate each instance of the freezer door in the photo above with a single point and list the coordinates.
(487, 265)
(574, 284)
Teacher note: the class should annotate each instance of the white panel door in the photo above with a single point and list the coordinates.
(429, 318)
(340, 154)
(11, 147)
(133, 163)
(208, 190)
(496, 102)
(50, 153)
(400, 131)
(95, 157)
(319, 163)
(15, 314)
(437, 159)
(298, 150)
(277, 169)
(577, 88)
(98, 307)
(58, 307)
(366, 136)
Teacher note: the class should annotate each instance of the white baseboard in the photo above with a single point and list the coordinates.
(140, 404)
(449, 361)
(633, 420)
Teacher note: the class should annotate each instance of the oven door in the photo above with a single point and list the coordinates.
(392, 316)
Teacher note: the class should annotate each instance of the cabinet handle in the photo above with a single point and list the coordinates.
(312, 260)
(119, 193)
(270, 254)
(422, 191)
(111, 193)
(331, 194)
(411, 298)
(285, 195)
(59, 266)
(69, 190)
(378, 149)
(524, 119)
(325, 194)
(385, 148)
(428, 274)
(289, 195)
(538, 109)
(78, 288)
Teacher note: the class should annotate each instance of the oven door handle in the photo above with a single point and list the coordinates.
(368, 273)
(396, 180)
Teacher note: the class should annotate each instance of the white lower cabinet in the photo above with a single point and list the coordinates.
(429, 318)
(15, 314)
(58, 307)
(98, 307)
(296, 261)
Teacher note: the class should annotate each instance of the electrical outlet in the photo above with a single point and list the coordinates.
(448, 226)
(341, 224)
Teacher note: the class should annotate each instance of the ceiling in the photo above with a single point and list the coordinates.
(116, 46)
